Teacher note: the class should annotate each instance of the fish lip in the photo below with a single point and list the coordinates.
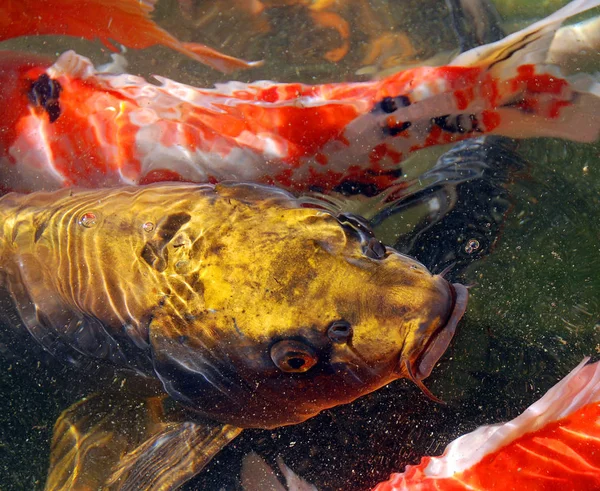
(440, 340)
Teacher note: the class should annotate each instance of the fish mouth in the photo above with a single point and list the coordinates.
(438, 342)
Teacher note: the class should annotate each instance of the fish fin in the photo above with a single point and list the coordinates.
(172, 456)
(535, 98)
(568, 411)
(257, 475)
(294, 481)
(126, 22)
(91, 436)
(108, 440)
(576, 46)
(529, 45)
(219, 61)
(148, 33)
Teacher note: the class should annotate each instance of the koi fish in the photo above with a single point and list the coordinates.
(553, 445)
(66, 124)
(229, 298)
(125, 21)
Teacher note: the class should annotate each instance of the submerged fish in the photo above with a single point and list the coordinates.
(464, 200)
(249, 308)
(553, 445)
(66, 124)
(124, 21)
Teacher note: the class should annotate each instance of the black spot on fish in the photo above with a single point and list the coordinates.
(389, 105)
(44, 92)
(403, 101)
(167, 229)
(154, 257)
(460, 123)
(154, 251)
(396, 129)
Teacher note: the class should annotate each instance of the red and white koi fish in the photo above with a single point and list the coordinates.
(553, 445)
(125, 21)
(66, 124)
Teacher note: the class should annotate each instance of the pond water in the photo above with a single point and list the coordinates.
(534, 309)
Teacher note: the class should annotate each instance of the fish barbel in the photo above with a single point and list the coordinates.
(66, 124)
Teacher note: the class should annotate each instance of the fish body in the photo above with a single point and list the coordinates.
(125, 21)
(104, 129)
(251, 309)
(553, 445)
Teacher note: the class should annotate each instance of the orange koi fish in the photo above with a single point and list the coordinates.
(67, 124)
(125, 21)
(553, 445)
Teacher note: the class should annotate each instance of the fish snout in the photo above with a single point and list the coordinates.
(448, 303)
(440, 339)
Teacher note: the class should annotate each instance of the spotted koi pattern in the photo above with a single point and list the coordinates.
(103, 129)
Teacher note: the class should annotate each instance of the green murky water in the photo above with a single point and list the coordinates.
(535, 307)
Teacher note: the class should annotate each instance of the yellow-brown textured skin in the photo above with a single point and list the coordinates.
(195, 283)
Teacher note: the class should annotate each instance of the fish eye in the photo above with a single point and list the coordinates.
(293, 356)
(375, 249)
(340, 331)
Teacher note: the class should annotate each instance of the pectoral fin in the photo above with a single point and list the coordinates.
(110, 442)
(172, 456)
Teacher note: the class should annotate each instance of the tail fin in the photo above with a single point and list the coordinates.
(127, 22)
(529, 45)
(534, 97)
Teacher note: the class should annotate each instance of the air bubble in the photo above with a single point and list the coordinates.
(88, 220)
(472, 246)
(148, 227)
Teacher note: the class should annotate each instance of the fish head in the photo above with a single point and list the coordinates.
(302, 309)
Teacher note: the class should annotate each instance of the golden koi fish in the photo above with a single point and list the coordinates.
(251, 309)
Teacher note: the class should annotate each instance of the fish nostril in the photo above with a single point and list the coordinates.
(340, 331)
